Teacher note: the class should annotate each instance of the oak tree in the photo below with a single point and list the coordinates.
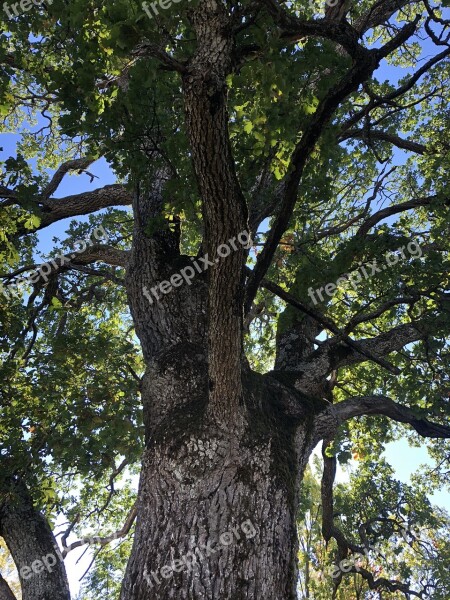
(324, 135)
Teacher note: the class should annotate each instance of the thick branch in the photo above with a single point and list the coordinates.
(294, 29)
(330, 530)
(56, 209)
(391, 341)
(382, 582)
(359, 73)
(382, 405)
(328, 324)
(393, 210)
(106, 254)
(149, 49)
(379, 13)
(7, 193)
(333, 354)
(341, 351)
(402, 36)
(363, 68)
(83, 204)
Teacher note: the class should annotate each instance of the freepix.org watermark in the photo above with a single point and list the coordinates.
(189, 273)
(190, 560)
(354, 561)
(47, 562)
(24, 6)
(99, 234)
(367, 270)
(163, 4)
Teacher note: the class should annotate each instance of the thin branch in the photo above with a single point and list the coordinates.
(394, 210)
(96, 553)
(103, 541)
(98, 273)
(116, 472)
(68, 531)
(328, 324)
(76, 261)
(78, 164)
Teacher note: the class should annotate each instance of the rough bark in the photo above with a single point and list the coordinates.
(52, 210)
(56, 209)
(200, 478)
(224, 207)
(32, 545)
(200, 481)
(224, 447)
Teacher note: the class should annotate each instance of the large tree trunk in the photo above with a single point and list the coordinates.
(32, 545)
(217, 508)
(225, 448)
(203, 477)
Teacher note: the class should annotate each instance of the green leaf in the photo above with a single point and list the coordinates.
(32, 222)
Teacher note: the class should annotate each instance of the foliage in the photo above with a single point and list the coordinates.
(406, 538)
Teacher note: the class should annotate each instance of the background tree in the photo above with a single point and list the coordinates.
(404, 536)
(327, 138)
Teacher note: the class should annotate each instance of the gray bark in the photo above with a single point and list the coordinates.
(200, 482)
(225, 449)
(201, 476)
(32, 545)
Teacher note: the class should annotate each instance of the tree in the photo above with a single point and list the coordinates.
(222, 121)
(404, 537)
